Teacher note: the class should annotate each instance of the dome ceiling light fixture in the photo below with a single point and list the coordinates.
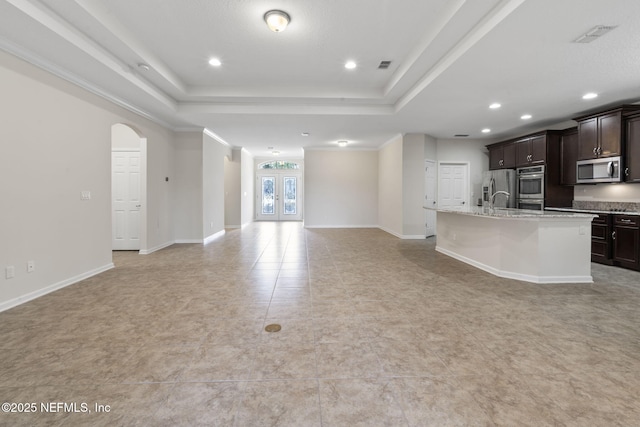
(277, 20)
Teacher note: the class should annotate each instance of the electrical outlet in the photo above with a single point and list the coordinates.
(31, 266)
(10, 272)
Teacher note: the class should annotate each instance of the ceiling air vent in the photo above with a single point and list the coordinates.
(461, 135)
(594, 33)
(384, 65)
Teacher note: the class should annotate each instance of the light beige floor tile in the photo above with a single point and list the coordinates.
(280, 403)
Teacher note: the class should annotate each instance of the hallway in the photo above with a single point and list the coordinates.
(375, 331)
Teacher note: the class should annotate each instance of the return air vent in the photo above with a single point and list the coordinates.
(384, 65)
(594, 33)
(461, 135)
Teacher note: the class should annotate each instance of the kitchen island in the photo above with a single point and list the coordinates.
(534, 246)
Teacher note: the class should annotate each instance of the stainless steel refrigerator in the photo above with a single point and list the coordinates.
(499, 180)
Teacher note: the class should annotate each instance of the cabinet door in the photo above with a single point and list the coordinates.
(610, 134)
(625, 245)
(523, 150)
(509, 156)
(538, 147)
(495, 157)
(632, 160)
(569, 153)
(587, 138)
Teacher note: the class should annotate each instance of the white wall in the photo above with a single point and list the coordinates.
(472, 151)
(213, 154)
(390, 187)
(413, 155)
(247, 187)
(233, 190)
(187, 183)
(56, 142)
(341, 188)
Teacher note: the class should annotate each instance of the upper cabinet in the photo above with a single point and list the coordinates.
(632, 158)
(502, 156)
(531, 150)
(602, 134)
(569, 156)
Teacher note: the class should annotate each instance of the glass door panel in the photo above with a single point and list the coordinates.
(268, 195)
(279, 197)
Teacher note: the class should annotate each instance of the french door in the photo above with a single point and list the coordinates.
(279, 196)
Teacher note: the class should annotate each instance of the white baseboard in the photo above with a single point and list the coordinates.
(233, 226)
(156, 248)
(340, 226)
(51, 288)
(187, 241)
(214, 236)
(516, 276)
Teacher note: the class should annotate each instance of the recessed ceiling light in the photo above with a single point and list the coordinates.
(495, 105)
(275, 153)
(277, 20)
(342, 143)
(486, 130)
(215, 62)
(525, 116)
(590, 95)
(305, 134)
(350, 65)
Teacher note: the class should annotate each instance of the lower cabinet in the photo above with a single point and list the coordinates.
(601, 239)
(615, 240)
(626, 241)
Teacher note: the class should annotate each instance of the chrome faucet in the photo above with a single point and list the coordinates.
(493, 197)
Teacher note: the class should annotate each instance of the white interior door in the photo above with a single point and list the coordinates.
(279, 196)
(430, 197)
(126, 200)
(453, 185)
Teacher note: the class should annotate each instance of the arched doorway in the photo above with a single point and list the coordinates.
(128, 189)
(279, 191)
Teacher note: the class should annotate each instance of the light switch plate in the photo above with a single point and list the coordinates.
(10, 272)
(85, 195)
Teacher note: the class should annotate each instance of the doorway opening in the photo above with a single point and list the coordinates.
(279, 191)
(128, 189)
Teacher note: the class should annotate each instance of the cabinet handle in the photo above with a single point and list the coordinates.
(613, 235)
(626, 171)
(625, 220)
(595, 151)
(599, 150)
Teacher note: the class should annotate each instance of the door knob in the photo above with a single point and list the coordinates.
(463, 203)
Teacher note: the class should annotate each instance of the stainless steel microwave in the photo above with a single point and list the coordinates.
(593, 171)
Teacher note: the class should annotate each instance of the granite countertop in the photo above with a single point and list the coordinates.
(593, 211)
(512, 213)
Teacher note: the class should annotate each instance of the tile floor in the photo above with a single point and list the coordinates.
(375, 331)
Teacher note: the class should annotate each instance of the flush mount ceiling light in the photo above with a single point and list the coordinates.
(277, 20)
(215, 62)
(305, 134)
(590, 95)
(486, 130)
(495, 105)
(144, 67)
(342, 143)
(350, 65)
(525, 116)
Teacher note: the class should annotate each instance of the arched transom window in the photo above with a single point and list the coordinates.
(279, 164)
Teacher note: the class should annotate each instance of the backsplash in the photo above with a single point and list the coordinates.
(606, 206)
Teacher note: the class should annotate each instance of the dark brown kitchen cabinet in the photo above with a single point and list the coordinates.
(502, 156)
(603, 134)
(601, 239)
(531, 150)
(632, 159)
(626, 241)
(569, 154)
